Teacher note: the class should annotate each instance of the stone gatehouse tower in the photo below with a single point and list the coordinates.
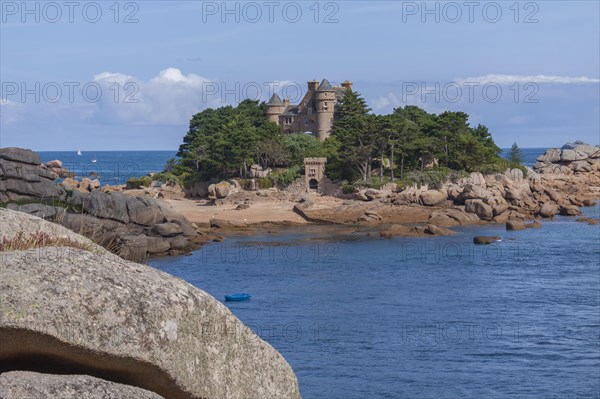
(314, 172)
(314, 114)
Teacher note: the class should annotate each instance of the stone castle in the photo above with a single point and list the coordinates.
(314, 114)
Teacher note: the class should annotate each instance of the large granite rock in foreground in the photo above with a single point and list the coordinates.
(71, 311)
(25, 384)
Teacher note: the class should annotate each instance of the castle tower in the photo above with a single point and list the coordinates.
(313, 85)
(314, 173)
(325, 107)
(274, 108)
(347, 84)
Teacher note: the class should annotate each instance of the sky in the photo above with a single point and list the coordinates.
(129, 75)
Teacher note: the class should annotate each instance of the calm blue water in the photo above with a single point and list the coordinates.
(362, 317)
(112, 167)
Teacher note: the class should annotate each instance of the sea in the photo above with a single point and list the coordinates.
(111, 167)
(116, 167)
(357, 316)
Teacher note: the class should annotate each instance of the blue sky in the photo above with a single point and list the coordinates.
(527, 70)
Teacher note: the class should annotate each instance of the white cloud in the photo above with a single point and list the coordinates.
(10, 111)
(169, 98)
(171, 76)
(385, 102)
(510, 79)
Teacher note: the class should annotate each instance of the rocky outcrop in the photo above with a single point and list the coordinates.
(219, 190)
(569, 210)
(72, 311)
(133, 227)
(56, 167)
(433, 197)
(453, 217)
(22, 176)
(481, 209)
(27, 384)
(84, 185)
(515, 225)
(575, 157)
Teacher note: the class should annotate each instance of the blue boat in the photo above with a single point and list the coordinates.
(238, 297)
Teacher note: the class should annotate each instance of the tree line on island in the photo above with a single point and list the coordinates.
(407, 146)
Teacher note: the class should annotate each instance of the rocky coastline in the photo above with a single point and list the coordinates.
(162, 220)
(134, 227)
(563, 181)
(80, 322)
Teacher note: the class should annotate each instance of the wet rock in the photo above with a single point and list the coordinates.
(398, 230)
(587, 220)
(486, 240)
(533, 225)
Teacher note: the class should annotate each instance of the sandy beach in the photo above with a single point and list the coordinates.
(259, 213)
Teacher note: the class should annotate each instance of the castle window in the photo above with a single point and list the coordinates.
(305, 121)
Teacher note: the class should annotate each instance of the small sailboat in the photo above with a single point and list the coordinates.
(237, 297)
(79, 152)
(94, 160)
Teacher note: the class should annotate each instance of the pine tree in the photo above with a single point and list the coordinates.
(353, 129)
(515, 155)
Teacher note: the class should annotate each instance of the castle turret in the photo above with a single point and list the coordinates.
(312, 85)
(325, 107)
(347, 84)
(275, 107)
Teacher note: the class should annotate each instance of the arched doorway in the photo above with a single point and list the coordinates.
(313, 184)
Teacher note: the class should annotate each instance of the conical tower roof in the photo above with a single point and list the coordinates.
(275, 100)
(325, 86)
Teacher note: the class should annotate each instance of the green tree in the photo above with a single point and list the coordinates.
(353, 129)
(515, 155)
(223, 142)
(300, 146)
